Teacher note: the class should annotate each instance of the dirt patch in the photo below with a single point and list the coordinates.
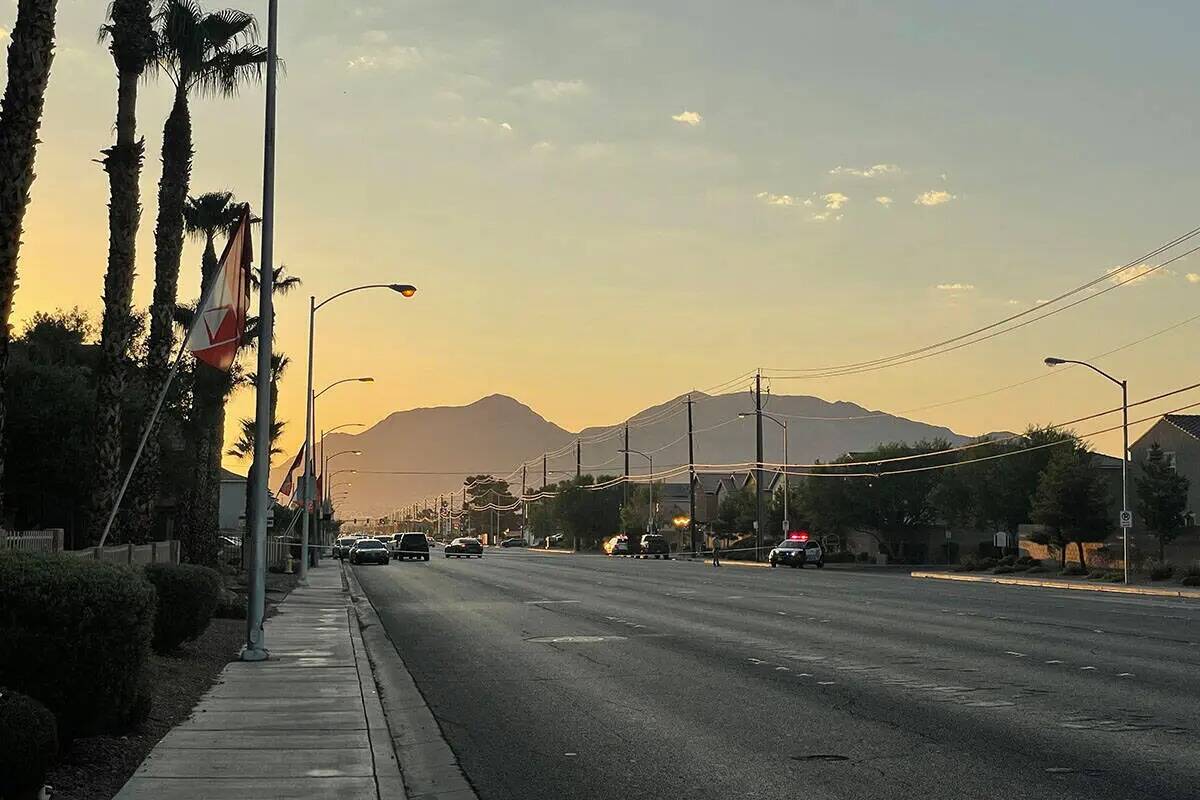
(95, 768)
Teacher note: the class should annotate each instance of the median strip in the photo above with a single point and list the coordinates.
(1052, 584)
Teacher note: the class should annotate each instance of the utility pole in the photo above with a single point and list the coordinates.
(545, 482)
(691, 479)
(578, 459)
(758, 462)
(524, 507)
(625, 483)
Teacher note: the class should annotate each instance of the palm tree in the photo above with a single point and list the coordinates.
(29, 55)
(131, 42)
(243, 448)
(208, 54)
(205, 217)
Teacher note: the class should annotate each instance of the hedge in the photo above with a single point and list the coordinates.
(187, 598)
(76, 636)
(28, 744)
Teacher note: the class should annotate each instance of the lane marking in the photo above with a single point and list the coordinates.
(547, 602)
(1014, 653)
(825, 683)
(1054, 661)
(1124, 674)
(572, 639)
(1086, 668)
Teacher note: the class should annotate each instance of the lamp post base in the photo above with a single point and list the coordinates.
(253, 654)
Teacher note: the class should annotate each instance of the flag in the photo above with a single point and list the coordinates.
(220, 322)
(288, 487)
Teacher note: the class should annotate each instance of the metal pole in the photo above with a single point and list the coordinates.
(625, 483)
(785, 479)
(758, 482)
(1125, 468)
(255, 649)
(691, 479)
(545, 481)
(578, 459)
(308, 421)
(524, 507)
(650, 485)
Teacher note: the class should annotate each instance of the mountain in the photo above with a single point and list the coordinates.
(414, 454)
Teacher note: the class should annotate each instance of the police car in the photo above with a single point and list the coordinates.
(797, 550)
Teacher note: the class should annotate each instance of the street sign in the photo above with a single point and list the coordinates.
(1126, 519)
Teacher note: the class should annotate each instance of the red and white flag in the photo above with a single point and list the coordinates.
(220, 323)
(288, 487)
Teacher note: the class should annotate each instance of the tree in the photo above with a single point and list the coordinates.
(484, 491)
(30, 52)
(1071, 502)
(737, 513)
(208, 54)
(1162, 498)
(205, 217)
(131, 41)
(635, 512)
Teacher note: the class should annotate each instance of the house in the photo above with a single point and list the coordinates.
(232, 505)
(1179, 437)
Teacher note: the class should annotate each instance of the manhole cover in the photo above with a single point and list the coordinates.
(821, 757)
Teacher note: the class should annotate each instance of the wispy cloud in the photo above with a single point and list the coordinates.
(772, 199)
(866, 172)
(884, 200)
(393, 58)
(934, 197)
(955, 287)
(835, 200)
(1138, 273)
(825, 216)
(3, 33)
(689, 118)
(1193, 278)
(548, 91)
(542, 146)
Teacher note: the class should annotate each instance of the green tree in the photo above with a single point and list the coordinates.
(736, 514)
(1071, 502)
(635, 513)
(130, 37)
(485, 490)
(30, 52)
(1162, 498)
(206, 54)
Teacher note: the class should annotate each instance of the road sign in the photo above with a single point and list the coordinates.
(1126, 519)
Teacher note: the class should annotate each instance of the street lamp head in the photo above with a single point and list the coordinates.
(403, 288)
(1054, 362)
(356, 452)
(365, 380)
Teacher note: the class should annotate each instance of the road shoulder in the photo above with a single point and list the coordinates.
(429, 768)
(1143, 591)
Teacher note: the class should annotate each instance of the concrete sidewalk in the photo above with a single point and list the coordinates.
(307, 723)
(1076, 585)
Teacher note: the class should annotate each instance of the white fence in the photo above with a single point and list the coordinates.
(47, 541)
(153, 553)
(277, 553)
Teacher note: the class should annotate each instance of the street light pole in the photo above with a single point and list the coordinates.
(649, 483)
(1126, 516)
(783, 424)
(758, 478)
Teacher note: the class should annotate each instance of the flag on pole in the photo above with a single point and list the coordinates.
(288, 487)
(220, 322)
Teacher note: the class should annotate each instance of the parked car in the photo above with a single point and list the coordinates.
(656, 545)
(555, 539)
(622, 546)
(797, 551)
(464, 547)
(514, 541)
(369, 551)
(410, 545)
(342, 545)
(432, 541)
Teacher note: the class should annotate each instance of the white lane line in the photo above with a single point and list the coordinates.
(1124, 674)
(547, 602)
(755, 660)
(1014, 653)
(783, 669)
(1054, 661)
(803, 674)
(1086, 668)
(781, 613)
(573, 639)
(826, 683)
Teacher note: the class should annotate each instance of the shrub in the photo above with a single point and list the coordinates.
(864, 557)
(1074, 569)
(1160, 571)
(1191, 580)
(1027, 561)
(839, 558)
(1192, 570)
(187, 598)
(1036, 568)
(1003, 569)
(988, 563)
(28, 744)
(76, 636)
(230, 605)
(1008, 561)
(1097, 574)
(969, 563)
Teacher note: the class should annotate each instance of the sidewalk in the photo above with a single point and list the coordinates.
(307, 723)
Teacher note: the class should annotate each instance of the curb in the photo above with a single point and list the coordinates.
(429, 768)
(1049, 584)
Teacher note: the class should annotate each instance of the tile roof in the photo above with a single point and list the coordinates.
(1188, 423)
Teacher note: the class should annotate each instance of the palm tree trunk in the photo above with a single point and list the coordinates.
(123, 163)
(1082, 557)
(29, 56)
(168, 249)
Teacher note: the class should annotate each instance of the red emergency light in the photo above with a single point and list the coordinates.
(798, 536)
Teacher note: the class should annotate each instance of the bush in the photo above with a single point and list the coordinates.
(1074, 569)
(76, 636)
(1192, 570)
(1191, 580)
(969, 563)
(839, 558)
(988, 563)
(1160, 571)
(1036, 567)
(1003, 569)
(1008, 561)
(230, 605)
(1097, 574)
(187, 598)
(28, 744)
(864, 557)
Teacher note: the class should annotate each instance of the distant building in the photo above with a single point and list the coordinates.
(1179, 437)
(233, 501)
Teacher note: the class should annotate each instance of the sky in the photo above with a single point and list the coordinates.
(606, 205)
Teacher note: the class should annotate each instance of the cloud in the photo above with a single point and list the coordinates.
(1193, 278)
(884, 200)
(542, 146)
(956, 287)
(548, 91)
(835, 200)
(393, 58)
(866, 172)
(1136, 274)
(3, 33)
(934, 197)
(1013, 302)
(825, 216)
(689, 118)
(777, 199)
(375, 37)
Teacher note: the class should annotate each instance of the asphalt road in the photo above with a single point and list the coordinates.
(587, 677)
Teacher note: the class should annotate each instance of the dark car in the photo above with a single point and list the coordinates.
(341, 547)
(410, 545)
(797, 552)
(514, 541)
(369, 551)
(464, 547)
(655, 544)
